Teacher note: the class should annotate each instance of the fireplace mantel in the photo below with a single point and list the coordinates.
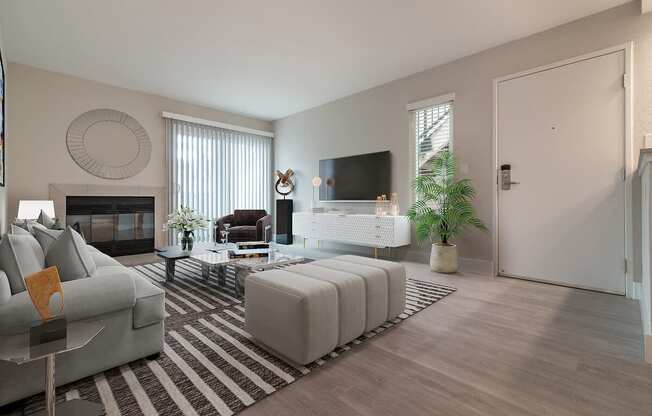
(59, 192)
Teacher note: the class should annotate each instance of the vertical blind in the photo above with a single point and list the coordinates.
(434, 132)
(215, 170)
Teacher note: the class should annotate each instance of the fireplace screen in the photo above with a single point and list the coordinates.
(114, 225)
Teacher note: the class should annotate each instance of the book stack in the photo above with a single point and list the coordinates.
(250, 252)
(249, 245)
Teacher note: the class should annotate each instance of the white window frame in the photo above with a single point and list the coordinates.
(418, 105)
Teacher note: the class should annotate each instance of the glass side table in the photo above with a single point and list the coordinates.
(17, 349)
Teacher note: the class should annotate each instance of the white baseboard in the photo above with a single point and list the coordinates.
(416, 254)
(636, 290)
(647, 348)
(479, 266)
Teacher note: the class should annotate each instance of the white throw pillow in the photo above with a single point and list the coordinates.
(20, 256)
(71, 256)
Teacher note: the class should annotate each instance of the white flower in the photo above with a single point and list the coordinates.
(186, 219)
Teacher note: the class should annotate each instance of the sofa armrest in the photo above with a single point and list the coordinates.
(227, 219)
(5, 289)
(83, 299)
(264, 228)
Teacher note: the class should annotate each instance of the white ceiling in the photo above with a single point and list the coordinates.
(265, 58)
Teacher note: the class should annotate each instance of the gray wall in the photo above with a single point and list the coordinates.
(376, 119)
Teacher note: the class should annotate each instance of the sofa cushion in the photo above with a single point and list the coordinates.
(243, 231)
(70, 255)
(247, 216)
(350, 298)
(20, 256)
(293, 315)
(375, 286)
(45, 236)
(150, 301)
(395, 273)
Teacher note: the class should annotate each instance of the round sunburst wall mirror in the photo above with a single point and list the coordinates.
(109, 144)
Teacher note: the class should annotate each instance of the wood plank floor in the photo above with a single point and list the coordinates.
(495, 347)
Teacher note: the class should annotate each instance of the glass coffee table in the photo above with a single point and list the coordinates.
(242, 266)
(213, 261)
(245, 266)
(18, 350)
(173, 253)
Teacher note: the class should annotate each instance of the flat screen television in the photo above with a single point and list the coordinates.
(356, 178)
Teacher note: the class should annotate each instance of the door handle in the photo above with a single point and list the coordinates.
(506, 181)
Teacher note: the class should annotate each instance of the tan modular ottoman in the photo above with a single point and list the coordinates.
(350, 297)
(293, 315)
(375, 282)
(395, 273)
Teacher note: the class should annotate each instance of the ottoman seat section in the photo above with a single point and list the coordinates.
(350, 297)
(395, 273)
(295, 316)
(376, 289)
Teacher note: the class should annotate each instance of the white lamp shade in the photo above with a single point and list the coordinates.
(316, 181)
(30, 209)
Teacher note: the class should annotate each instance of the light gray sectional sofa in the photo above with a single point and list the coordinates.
(130, 307)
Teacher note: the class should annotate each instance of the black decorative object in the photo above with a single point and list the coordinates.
(284, 210)
(284, 185)
(2, 122)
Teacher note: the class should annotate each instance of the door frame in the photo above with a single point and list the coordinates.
(628, 81)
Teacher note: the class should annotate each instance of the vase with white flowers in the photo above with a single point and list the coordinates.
(187, 221)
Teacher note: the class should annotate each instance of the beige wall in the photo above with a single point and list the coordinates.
(44, 103)
(376, 119)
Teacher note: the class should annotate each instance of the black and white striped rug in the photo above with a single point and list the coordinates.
(210, 366)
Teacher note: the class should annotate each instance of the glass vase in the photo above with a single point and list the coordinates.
(187, 241)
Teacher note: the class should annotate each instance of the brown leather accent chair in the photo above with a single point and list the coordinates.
(246, 225)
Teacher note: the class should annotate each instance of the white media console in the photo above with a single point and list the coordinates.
(358, 229)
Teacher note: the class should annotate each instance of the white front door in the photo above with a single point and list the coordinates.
(562, 133)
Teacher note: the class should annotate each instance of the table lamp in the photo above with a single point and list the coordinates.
(316, 183)
(31, 209)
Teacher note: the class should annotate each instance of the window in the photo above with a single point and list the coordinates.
(216, 170)
(433, 129)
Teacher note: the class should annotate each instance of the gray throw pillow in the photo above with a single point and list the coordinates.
(71, 256)
(15, 229)
(45, 220)
(46, 237)
(20, 256)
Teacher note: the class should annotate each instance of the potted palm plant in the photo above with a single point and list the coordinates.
(186, 221)
(442, 210)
